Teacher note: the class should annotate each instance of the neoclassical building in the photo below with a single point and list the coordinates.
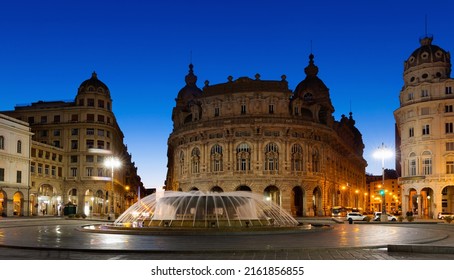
(425, 131)
(15, 139)
(258, 135)
(71, 142)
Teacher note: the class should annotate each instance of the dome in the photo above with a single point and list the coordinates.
(427, 53)
(426, 63)
(190, 90)
(312, 89)
(93, 85)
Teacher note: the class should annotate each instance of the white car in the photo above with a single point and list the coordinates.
(390, 217)
(355, 216)
(442, 215)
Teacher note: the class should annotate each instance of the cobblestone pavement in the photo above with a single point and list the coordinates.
(55, 238)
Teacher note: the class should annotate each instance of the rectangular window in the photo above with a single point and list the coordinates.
(73, 172)
(2, 174)
(411, 132)
(56, 118)
(90, 144)
(56, 143)
(43, 119)
(424, 93)
(73, 159)
(216, 112)
(89, 171)
(271, 108)
(450, 167)
(75, 131)
(32, 167)
(448, 109)
(19, 176)
(90, 158)
(40, 168)
(448, 128)
(101, 103)
(427, 166)
(100, 132)
(100, 172)
(410, 96)
(57, 132)
(90, 131)
(46, 169)
(74, 118)
(90, 102)
(449, 146)
(448, 90)
(101, 118)
(413, 167)
(31, 120)
(74, 144)
(243, 109)
(53, 171)
(426, 129)
(90, 117)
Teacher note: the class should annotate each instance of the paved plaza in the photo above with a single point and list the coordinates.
(59, 238)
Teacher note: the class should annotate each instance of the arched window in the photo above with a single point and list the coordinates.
(181, 163)
(216, 158)
(271, 157)
(427, 163)
(315, 161)
(195, 161)
(243, 157)
(297, 158)
(2, 143)
(19, 147)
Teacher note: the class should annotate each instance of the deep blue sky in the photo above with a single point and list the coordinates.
(141, 50)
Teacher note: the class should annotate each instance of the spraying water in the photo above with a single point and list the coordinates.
(202, 210)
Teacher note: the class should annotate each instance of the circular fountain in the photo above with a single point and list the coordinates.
(199, 210)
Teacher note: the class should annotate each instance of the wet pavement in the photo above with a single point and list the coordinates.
(57, 238)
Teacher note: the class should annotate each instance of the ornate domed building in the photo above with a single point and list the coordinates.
(257, 135)
(425, 131)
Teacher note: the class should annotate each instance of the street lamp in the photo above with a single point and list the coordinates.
(383, 153)
(112, 162)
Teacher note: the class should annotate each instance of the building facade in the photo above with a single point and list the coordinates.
(15, 139)
(425, 131)
(258, 135)
(71, 142)
(392, 197)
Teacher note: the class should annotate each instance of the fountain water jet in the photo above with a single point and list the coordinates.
(205, 210)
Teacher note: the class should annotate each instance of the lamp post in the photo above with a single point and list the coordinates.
(112, 162)
(383, 153)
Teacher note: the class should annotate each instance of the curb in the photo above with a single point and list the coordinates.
(422, 249)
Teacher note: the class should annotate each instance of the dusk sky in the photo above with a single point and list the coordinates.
(141, 51)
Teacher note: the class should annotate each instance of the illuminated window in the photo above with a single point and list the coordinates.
(243, 157)
(216, 158)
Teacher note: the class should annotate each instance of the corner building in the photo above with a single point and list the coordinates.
(258, 135)
(425, 132)
(70, 143)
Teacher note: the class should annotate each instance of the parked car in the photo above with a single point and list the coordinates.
(442, 215)
(355, 216)
(377, 217)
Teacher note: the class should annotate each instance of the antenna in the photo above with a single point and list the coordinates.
(190, 57)
(311, 46)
